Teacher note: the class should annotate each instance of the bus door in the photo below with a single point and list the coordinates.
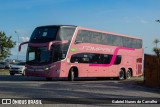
(139, 66)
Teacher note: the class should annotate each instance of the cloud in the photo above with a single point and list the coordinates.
(143, 21)
(20, 32)
(24, 38)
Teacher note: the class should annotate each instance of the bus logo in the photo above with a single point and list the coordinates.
(90, 48)
(73, 49)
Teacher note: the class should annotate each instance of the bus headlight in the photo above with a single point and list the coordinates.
(46, 68)
(49, 67)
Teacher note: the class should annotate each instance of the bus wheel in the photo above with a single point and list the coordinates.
(129, 74)
(11, 74)
(49, 79)
(121, 75)
(71, 75)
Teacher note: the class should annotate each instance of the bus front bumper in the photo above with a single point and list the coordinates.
(42, 73)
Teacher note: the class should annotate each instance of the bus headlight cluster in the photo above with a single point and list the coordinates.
(46, 68)
(49, 67)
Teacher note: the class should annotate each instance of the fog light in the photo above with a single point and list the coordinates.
(47, 68)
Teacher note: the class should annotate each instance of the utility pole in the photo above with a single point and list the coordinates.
(17, 43)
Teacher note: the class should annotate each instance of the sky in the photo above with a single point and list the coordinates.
(129, 17)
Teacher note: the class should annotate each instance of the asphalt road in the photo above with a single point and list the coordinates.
(34, 87)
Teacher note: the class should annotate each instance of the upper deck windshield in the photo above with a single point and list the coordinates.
(41, 55)
(44, 34)
(52, 33)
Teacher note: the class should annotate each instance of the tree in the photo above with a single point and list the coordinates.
(156, 50)
(5, 45)
(156, 41)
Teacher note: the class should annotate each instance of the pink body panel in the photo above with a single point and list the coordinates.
(129, 60)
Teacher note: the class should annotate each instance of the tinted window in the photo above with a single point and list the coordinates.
(94, 58)
(80, 58)
(66, 33)
(106, 58)
(96, 37)
(21, 63)
(38, 56)
(118, 60)
(2, 62)
(85, 36)
(44, 34)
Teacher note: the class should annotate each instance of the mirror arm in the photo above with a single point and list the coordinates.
(19, 48)
(56, 43)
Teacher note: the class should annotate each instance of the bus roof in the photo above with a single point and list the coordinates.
(58, 26)
(79, 27)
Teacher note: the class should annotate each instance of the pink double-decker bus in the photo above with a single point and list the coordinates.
(73, 51)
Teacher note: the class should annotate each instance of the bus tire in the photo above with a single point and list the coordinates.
(71, 75)
(23, 74)
(129, 74)
(49, 79)
(12, 74)
(121, 75)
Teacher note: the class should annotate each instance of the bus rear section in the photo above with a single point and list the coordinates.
(95, 53)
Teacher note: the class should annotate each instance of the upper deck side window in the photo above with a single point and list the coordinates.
(85, 36)
(66, 33)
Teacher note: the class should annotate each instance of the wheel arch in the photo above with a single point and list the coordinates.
(75, 70)
(122, 68)
(131, 71)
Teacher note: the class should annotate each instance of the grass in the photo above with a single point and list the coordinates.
(4, 71)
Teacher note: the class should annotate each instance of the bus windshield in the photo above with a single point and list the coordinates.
(38, 55)
(41, 55)
(44, 34)
(51, 33)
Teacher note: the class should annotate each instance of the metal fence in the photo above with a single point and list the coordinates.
(152, 71)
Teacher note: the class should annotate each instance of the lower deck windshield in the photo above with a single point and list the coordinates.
(43, 56)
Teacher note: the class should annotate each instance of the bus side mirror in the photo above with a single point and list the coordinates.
(19, 48)
(56, 43)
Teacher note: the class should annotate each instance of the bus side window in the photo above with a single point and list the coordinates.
(118, 59)
(96, 38)
(125, 42)
(75, 58)
(106, 58)
(95, 59)
(80, 37)
(110, 40)
(105, 39)
(117, 41)
(139, 44)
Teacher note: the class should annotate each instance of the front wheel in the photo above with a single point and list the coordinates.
(12, 74)
(49, 79)
(121, 75)
(71, 76)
